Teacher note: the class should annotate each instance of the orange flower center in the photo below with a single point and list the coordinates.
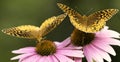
(45, 48)
(79, 38)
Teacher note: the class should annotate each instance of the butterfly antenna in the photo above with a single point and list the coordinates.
(89, 11)
(82, 11)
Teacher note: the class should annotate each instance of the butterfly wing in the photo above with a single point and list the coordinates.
(90, 24)
(76, 19)
(24, 31)
(68, 10)
(50, 24)
(33, 32)
(97, 20)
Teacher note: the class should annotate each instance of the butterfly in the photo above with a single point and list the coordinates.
(34, 32)
(89, 24)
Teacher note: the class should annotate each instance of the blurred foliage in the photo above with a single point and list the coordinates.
(34, 12)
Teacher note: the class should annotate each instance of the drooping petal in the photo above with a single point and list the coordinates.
(104, 47)
(105, 28)
(47, 60)
(87, 54)
(108, 33)
(43, 59)
(76, 47)
(97, 56)
(71, 53)
(78, 59)
(57, 43)
(64, 43)
(70, 48)
(22, 56)
(37, 57)
(33, 58)
(63, 58)
(100, 46)
(108, 41)
(94, 55)
(102, 53)
(113, 41)
(54, 58)
(50, 59)
(24, 50)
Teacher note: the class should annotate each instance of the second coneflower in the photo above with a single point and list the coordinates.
(96, 42)
(96, 46)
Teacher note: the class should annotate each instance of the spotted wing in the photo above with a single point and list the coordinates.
(51, 23)
(75, 18)
(97, 20)
(24, 31)
(90, 24)
(68, 10)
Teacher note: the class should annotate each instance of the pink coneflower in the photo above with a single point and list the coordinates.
(96, 46)
(48, 51)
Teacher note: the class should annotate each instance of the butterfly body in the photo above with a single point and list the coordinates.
(91, 23)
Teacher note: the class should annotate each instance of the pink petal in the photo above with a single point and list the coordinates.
(113, 41)
(46, 60)
(109, 41)
(22, 56)
(104, 47)
(76, 47)
(56, 42)
(36, 58)
(24, 50)
(108, 33)
(50, 59)
(94, 55)
(64, 43)
(33, 58)
(43, 59)
(87, 54)
(78, 59)
(73, 53)
(54, 59)
(101, 40)
(70, 48)
(63, 58)
(102, 54)
(105, 28)
(114, 33)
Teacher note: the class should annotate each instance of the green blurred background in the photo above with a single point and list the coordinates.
(34, 12)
